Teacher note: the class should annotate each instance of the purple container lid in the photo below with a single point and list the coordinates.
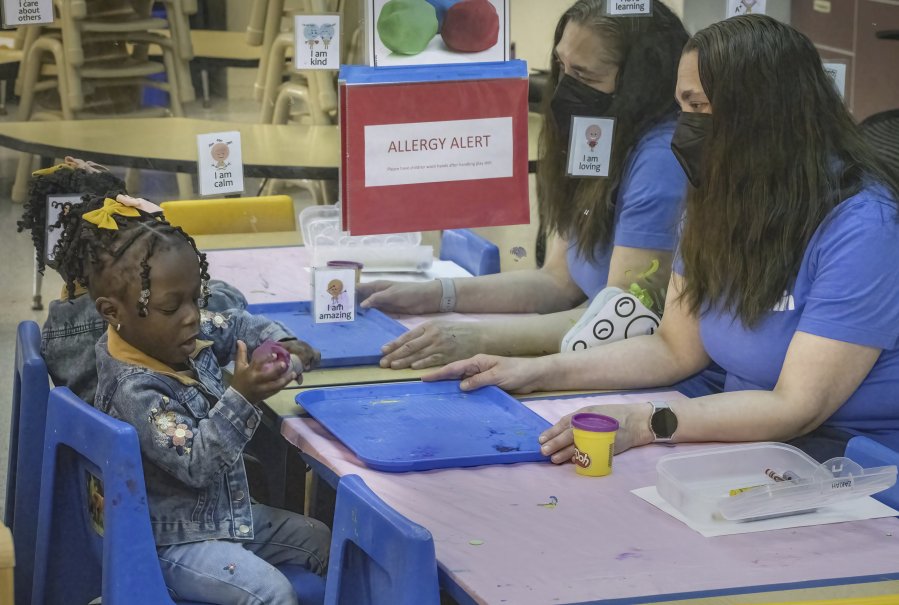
(598, 423)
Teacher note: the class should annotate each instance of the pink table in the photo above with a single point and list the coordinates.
(600, 544)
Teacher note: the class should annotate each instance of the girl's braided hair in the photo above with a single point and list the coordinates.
(61, 182)
(87, 251)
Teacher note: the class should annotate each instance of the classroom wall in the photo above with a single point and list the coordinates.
(698, 14)
(533, 24)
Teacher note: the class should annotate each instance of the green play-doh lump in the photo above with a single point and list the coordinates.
(407, 26)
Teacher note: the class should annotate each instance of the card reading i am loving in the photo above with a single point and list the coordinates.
(334, 295)
(590, 146)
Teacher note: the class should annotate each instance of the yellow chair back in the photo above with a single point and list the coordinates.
(232, 215)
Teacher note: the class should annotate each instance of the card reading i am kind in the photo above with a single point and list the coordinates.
(334, 295)
(590, 146)
(317, 40)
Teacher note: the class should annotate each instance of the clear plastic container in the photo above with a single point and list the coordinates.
(320, 226)
(733, 482)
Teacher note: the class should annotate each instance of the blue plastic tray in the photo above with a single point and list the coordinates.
(417, 426)
(354, 343)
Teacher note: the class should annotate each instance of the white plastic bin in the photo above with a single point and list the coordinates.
(731, 482)
(389, 252)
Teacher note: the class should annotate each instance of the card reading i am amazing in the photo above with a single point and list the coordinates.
(334, 295)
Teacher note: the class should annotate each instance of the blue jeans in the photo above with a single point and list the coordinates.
(227, 572)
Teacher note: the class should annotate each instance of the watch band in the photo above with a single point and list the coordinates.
(662, 422)
(448, 296)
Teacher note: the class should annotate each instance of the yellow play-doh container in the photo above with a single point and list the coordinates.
(594, 443)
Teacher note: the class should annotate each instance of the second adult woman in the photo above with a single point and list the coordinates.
(602, 231)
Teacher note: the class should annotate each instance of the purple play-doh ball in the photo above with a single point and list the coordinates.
(470, 26)
(263, 354)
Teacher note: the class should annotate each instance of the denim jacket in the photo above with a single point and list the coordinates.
(192, 430)
(73, 327)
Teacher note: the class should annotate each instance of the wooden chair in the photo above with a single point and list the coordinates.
(7, 563)
(232, 215)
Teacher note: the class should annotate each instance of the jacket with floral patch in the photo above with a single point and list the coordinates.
(192, 430)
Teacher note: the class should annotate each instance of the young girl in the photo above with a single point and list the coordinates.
(73, 326)
(159, 370)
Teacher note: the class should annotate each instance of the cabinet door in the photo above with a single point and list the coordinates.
(876, 83)
(830, 25)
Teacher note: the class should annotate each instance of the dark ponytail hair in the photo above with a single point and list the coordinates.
(60, 182)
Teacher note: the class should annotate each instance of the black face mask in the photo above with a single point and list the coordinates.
(688, 143)
(574, 98)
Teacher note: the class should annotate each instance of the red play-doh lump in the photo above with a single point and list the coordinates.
(470, 26)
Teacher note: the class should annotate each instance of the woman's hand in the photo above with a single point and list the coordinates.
(396, 297)
(258, 379)
(433, 344)
(512, 374)
(557, 441)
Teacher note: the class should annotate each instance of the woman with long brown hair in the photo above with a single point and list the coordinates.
(603, 231)
(785, 274)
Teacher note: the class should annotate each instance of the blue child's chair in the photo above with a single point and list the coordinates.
(869, 453)
(74, 562)
(378, 556)
(475, 254)
(31, 386)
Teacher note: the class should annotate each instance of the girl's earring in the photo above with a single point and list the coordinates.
(118, 327)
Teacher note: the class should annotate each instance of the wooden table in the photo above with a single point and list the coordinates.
(600, 543)
(170, 144)
(287, 151)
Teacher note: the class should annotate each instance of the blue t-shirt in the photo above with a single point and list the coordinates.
(847, 289)
(647, 210)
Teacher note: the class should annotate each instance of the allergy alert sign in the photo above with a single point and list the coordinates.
(590, 146)
(219, 163)
(438, 152)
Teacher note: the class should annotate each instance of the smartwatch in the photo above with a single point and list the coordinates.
(662, 422)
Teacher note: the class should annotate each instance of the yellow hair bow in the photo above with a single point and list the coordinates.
(51, 170)
(104, 217)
